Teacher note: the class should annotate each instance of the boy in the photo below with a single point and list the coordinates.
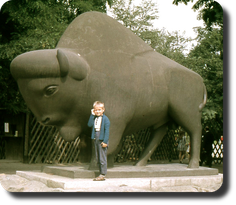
(100, 134)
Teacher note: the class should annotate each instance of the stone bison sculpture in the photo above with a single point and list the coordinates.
(97, 58)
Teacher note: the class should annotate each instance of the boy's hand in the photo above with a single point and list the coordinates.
(104, 144)
(92, 112)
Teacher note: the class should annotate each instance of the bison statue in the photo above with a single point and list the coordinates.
(97, 58)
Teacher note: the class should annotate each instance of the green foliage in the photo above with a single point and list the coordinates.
(210, 11)
(27, 25)
(207, 60)
(138, 18)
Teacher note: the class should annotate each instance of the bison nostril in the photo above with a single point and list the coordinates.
(45, 121)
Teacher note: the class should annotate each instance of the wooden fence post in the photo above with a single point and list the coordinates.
(26, 139)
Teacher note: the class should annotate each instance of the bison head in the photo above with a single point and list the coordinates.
(52, 83)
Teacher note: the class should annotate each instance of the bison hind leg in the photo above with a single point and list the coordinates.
(154, 140)
(195, 142)
(191, 122)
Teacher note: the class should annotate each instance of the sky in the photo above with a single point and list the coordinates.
(177, 18)
(180, 18)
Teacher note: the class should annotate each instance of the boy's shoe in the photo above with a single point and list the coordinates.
(100, 178)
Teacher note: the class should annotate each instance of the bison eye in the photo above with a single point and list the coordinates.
(50, 90)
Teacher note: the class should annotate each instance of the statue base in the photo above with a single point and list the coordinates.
(127, 178)
(129, 171)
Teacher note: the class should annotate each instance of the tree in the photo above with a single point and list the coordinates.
(138, 18)
(207, 60)
(211, 12)
(173, 45)
(27, 25)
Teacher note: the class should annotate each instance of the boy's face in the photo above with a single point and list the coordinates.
(98, 110)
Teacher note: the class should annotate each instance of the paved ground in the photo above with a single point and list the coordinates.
(16, 183)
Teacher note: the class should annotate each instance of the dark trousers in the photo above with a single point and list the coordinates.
(206, 157)
(101, 154)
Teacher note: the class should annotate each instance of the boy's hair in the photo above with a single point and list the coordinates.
(99, 103)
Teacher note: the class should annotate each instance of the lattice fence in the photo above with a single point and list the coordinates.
(216, 128)
(167, 150)
(134, 144)
(46, 146)
(218, 151)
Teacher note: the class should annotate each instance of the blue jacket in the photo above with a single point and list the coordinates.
(104, 131)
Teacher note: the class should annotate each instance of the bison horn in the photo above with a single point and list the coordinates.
(63, 63)
(72, 64)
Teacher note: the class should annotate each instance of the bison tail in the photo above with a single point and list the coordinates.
(202, 105)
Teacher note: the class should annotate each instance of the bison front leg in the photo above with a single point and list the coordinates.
(155, 139)
(115, 136)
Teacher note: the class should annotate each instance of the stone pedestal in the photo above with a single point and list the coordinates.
(129, 171)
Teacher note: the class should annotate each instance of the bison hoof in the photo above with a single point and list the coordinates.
(193, 164)
(141, 163)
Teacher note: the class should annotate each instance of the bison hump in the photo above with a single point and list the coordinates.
(95, 31)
